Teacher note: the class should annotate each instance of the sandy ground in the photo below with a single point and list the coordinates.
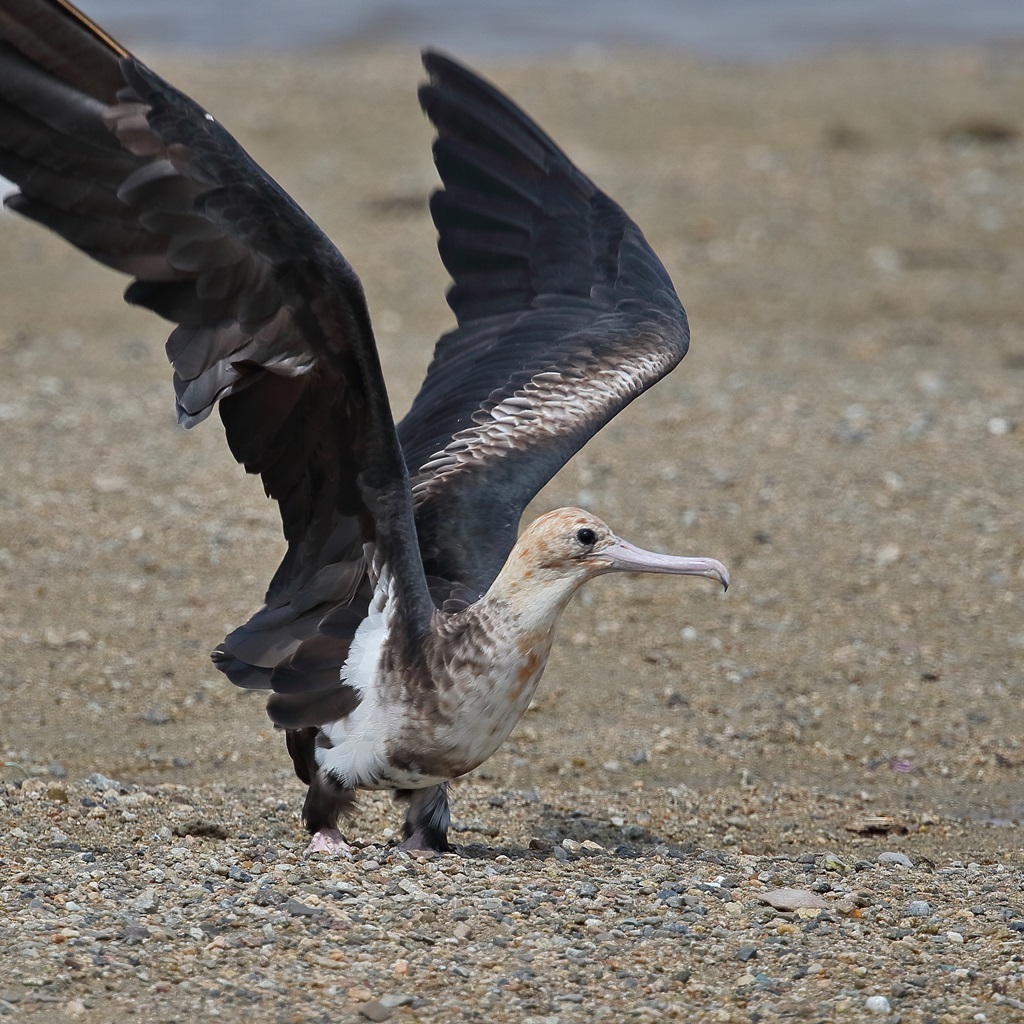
(847, 434)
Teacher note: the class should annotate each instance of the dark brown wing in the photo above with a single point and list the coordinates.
(565, 315)
(272, 321)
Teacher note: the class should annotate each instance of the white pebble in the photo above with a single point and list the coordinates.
(931, 384)
(890, 857)
(877, 1004)
(998, 426)
(855, 415)
(101, 782)
(885, 259)
(109, 483)
(955, 937)
(887, 554)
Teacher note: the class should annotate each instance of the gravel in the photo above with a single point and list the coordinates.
(109, 904)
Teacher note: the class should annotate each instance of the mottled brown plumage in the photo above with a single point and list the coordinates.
(421, 723)
(405, 630)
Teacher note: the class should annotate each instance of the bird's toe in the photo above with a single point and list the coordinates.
(421, 843)
(329, 840)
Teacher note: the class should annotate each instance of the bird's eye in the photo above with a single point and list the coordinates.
(586, 536)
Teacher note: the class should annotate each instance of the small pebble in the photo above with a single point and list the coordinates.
(890, 857)
(793, 899)
(376, 1011)
(100, 782)
(146, 902)
(397, 999)
(877, 1004)
(918, 908)
(299, 909)
(830, 862)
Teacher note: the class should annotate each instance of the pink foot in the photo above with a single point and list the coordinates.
(329, 840)
(418, 844)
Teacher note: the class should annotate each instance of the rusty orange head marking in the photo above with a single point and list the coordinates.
(559, 539)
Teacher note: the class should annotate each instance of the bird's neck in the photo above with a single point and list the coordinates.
(524, 600)
(534, 595)
(500, 643)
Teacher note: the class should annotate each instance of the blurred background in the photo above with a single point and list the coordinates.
(741, 29)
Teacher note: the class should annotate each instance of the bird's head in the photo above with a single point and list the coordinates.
(564, 548)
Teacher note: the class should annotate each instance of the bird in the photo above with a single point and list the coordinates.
(408, 625)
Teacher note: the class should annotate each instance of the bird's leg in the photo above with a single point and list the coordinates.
(326, 801)
(427, 819)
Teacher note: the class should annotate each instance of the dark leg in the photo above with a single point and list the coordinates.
(326, 801)
(427, 820)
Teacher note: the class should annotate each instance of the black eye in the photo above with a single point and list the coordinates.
(586, 536)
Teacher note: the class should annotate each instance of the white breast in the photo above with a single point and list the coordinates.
(478, 706)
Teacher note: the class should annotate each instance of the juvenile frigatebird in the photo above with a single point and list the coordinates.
(406, 629)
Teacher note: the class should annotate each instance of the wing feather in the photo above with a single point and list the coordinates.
(565, 315)
(271, 319)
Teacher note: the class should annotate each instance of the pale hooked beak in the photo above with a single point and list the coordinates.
(621, 556)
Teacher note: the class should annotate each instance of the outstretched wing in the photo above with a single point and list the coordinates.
(272, 321)
(565, 315)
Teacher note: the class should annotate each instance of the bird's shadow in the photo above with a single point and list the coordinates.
(571, 835)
